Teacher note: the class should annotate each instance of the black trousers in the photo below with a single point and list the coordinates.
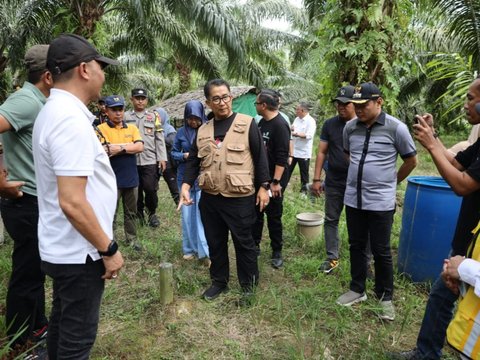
(274, 213)
(26, 294)
(148, 175)
(363, 225)
(304, 165)
(170, 177)
(77, 294)
(219, 216)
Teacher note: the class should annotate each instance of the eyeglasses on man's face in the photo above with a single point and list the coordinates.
(257, 103)
(217, 99)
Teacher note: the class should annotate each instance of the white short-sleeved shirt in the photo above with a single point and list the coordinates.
(302, 147)
(65, 144)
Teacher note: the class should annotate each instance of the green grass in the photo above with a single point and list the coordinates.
(294, 316)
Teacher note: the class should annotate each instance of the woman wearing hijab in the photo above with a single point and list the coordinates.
(170, 172)
(194, 241)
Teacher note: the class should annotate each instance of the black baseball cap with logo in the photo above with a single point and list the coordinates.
(69, 50)
(365, 92)
(344, 94)
(139, 92)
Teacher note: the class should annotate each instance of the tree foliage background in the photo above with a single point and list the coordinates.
(422, 53)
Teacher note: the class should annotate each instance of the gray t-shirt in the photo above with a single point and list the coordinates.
(372, 174)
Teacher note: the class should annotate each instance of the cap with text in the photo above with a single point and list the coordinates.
(114, 100)
(69, 50)
(344, 94)
(365, 92)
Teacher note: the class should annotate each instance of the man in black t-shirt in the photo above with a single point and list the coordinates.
(276, 137)
(462, 173)
(331, 146)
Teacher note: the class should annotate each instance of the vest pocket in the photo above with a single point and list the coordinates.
(239, 182)
(236, 154)
(205, 181)
(206, 156)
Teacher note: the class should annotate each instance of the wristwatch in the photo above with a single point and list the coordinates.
(265, 185)
(112, 249)
(275, 181)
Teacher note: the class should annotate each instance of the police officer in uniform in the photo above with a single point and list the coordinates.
(153, 160)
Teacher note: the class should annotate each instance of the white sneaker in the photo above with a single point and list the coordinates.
(388, 310)
(350, 298)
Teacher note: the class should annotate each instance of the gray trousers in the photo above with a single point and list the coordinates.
(333, 210)
(129, 198)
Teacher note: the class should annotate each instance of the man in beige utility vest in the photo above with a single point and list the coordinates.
(229, 159)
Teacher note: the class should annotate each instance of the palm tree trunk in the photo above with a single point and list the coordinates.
(185, 77)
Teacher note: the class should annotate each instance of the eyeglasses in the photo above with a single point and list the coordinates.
(217, 100)
(257, 103)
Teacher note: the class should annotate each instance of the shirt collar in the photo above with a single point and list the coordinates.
(112, 125)
(29, 86)
(380, 120)
(59, 93)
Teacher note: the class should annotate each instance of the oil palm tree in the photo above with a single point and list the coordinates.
(447, 56)
(186, 32)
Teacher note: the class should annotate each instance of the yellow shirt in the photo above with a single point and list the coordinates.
(119, 134)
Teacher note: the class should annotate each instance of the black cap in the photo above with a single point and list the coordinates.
(344, 94)
(69, 50)
(365, 92)
(139, 92)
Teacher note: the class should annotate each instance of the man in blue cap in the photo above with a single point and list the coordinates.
(122, 142)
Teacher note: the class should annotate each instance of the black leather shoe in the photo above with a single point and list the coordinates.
(153, 221)
(404, 355)
(277, 261)
(213, 292)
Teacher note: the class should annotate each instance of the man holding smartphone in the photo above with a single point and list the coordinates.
(462, 173)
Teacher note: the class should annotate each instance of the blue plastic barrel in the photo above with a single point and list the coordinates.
(430, 214)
